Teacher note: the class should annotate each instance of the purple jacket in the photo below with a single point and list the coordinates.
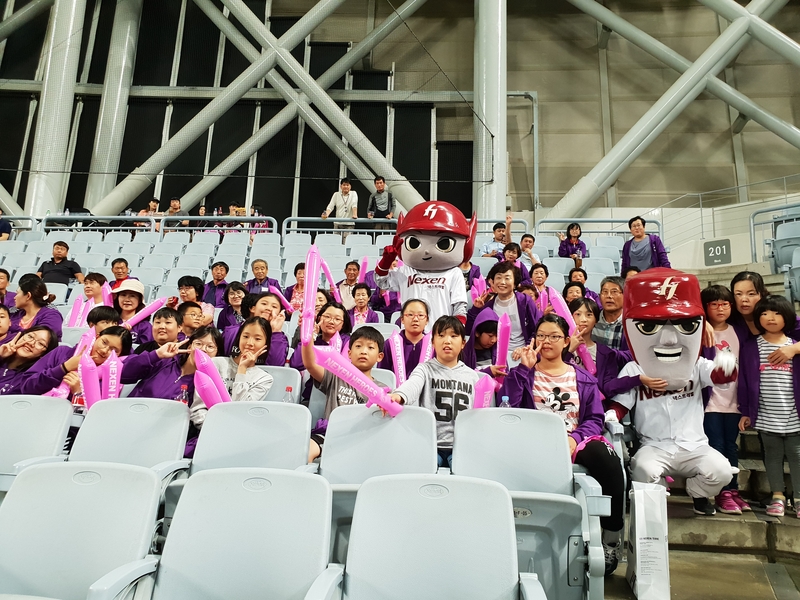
(142, 332)
(8, 299)
(215, 294)
(589, 294)
(157, 378)
(46, 373)
(411, 354)
(253, 287)
(658, 253)
(529, 315)
(372, 316)
(49, 317)
(566, 249)
(609, 363)
(518, 386)
(468, 354)
(226, 318)
(18, 382)
(278, 345)
(378, 303)
(475, 273)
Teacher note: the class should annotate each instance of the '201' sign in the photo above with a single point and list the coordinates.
(717, 252)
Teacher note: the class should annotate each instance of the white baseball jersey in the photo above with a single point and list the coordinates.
(443, 291)
(671, 419)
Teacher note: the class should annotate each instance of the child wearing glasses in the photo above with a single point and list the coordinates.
(21, 353)
(545, 381)
(414, 348)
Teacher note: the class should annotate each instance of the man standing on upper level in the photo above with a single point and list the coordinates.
(382, 204)
(346, 204)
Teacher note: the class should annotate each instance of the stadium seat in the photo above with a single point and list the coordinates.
(787, 238)
(206, 238)
(383, 240)
(174, 248)
(133, 259)
(30, 427)
(551, 242)
(553, 506)
(43, 249)
(283, 377)
(482, 239)
(13, 261)
(29, 236)
(165, 261)
(202, 248)
(17, 272)
(607, 252)
(265, 534)
(599, 265)
(294, 247)
(372, 261)
(484, 263)
(328, 239)
(56, 235)
(543, 252)
(121, 237)
(458, 532)
(78, 247)
(610, 241)
(194, 261)
(593, 281)
(559, 265)
(88, 236)
(358, 239)
(48, 552)
(793, 275)
(180, 237)
(340, 251)
(11, 247)
(385, 377)
(267, 237)
(137, 247)
(175, 274)
(235, 262)
(150, 237)
(71, 336)
(385, 329)
(268, 247)
(109, 248)
(60, 291)
(235, 240)
(298, 238)
(90, 262)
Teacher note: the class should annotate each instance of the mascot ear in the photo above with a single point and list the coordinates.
(398, 241)
(470, 245)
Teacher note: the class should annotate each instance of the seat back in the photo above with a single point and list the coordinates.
(175, 274)
(239, 240)
(265, 534)
(459, 533)
(134, 431)
(361, 443)
(181, 237)
(283, 377)
(599, 265)
(557, 264)
(610, 241)
(253, 434)
(164, 261)
(328, 239)
(21, 260)
(60, 291)
(297, 238)
(606, 252)
(551, 242)
(174, 248)
(210, 238)
(151, 237)
(385, 377)
(122, 237)
(525, 450)
(72, 335)
(31, 426)
(484, 263)
(30, 236)
(65, 525)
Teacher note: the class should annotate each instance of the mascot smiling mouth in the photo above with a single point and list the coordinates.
(668, 355)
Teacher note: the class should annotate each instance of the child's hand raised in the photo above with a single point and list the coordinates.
(530, 354)
(172, 349)
(9, 348)
(481, 300)
(499, 370)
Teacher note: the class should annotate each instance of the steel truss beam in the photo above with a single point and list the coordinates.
(24, 15)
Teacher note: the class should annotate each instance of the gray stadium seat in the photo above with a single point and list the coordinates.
(194, 261)
(151, 275)
(267, 237)
(174, 248)
(18, 272)
(265, 247)
(64, 235)
(236, 262)
(165, 261)
(543, 252)
(60, 291)
(612, 241)
(91, 261)
(557, 281)
(133, 259)
(295, 247)
(439, 521)
(283, 377)
(30, 427)
(121, 237)
(386, 329)
(385, 377)
(555, 502)
(593, 281)
(793, 275)
(607, 252)
(787, 238)
(599, 265)
(72, 335)
(557, 264)
(328, 239)
(299, 238)
(150, 237)
(236, 240)
(176, 274)
(29, 236)
(551, 242)
(78, 247)
(484, 263)
(206, 238)
(383, 240)
(180, 237)
(43, 248)
(49, 553)
(11, 247)
(88, 236)
(137, 247)
(21, 260)
(358, 239)
(109, 248)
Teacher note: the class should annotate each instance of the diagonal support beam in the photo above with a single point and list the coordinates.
(723, 91)
(138, 181)
(407, 196)
(9, 205)
(688, 86)
(287, 115)
(24, 15)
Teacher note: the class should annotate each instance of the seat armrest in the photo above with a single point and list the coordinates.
(443, 471)
(597, 505)
(614, 428)
(312, 468)
(530, 588)
(168, 467)
(111, 584)
(39, 460)
(327, 584)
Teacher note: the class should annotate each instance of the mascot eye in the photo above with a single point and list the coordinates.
(412, 243)
(446, 244)
(687, 326)
(648, 327)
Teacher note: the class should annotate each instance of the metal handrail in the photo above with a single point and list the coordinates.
(87, 217)
(218, 222)
(315, 225)
(655, 222)
(34, 222)
(754, 214)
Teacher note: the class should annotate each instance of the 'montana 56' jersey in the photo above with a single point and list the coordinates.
(444, 291)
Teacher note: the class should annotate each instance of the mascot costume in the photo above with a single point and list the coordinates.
(432, 239)
(664, 322)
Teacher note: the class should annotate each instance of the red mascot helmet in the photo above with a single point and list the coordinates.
(438, 217)
(662, 294)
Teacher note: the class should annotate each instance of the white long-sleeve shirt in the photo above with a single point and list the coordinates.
(345, 205)
(252, 385)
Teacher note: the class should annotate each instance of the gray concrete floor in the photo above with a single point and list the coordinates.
(711, 576)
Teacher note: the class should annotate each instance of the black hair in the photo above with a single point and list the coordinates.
(368, 333)
(236, 349)
(233, 286)
(528, 235)
(497, 226)
(174, 198)
(220, 263)
(754, 278)
(62, 244)
(33, 285)
(119, 260)
(618, 281)
(528, 287)
(540, 266)
(573, 225)
(362, 286)
(578, 270)
(327, 294)
(347, 327)
(512, 246)
(5, 308)
(124, 335)
(252, 300)
(353, 262)
(379, 178)
(6, 273)
(202, 332)
(576, 284)
(780, 305)
(102, 313)
(590, 305)
(167, 313)
(299, 267)
(411, 301)
(193, 282)
(52, 344)
(488, 326)
(344, 180)
(504, 267)
(98, 278)
(185, 306)
(629, 269)
(118, 308)
(234, 203)
(557, 320)
(634, 219)
(716, 293)
(446, 322)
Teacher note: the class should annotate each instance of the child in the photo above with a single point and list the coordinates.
(129, 300)
(22, 353)
(165, 329)
(511, 253)
(721, 421)
(443, 384)
(267, 306)
(414, 320)
(331, 319)
(190, 317)
(571, 244)
(191, 289)
(102, 317)
(6, 334)
(365, 351)
(774, 408)
(543, 381)
(361, 312)
(480, 351)
(321, 300)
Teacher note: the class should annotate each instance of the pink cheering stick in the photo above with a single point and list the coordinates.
(88, 305)
(503, 339)
(362, 271)
(86, 343)
(544, 299)
(204, 365)
(89, 380)
(561, 309)
(387, 297)
(76, 313)
(108, 297)
(344, 370)
(148, 310)
(283, 300)
(111, 370)
(484, 392)
(478, 288)
(313, 261)
(206, 389)
(327, 270)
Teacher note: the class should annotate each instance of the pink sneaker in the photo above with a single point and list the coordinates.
(776, 507)
(740, 501)
(726, 504)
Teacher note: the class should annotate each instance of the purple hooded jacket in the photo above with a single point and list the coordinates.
(253, 287)
(157, 378)
(227, 318)
(8, 299)
(18, 382)
(566, 249)
(372, 316)
(46, 373)
(609, 363)
(468, 354)
(657, 250)
(518, 386)
(411, 354)
(529, 314)
(278, 345)
(49, 317)
(215, 294)
(590, 295)
(142, 332)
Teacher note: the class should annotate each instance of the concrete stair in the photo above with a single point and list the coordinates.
(723, 276)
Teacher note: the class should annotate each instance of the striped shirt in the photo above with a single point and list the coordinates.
(558, 394)
(777, 412)
(608, 334)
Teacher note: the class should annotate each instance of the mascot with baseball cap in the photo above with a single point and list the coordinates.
(432, 239)
(664, 322)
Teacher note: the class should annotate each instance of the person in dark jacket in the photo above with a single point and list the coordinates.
(643, 250)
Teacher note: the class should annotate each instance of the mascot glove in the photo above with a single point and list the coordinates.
(385, 263)
(611, 416)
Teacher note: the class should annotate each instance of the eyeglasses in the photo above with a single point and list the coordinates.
(417, 316)
(236, 294)
(718, 305)
(331, 319)
(550, 338)
(194, 315)
(209, 347)
(611, 293)
(29, 338)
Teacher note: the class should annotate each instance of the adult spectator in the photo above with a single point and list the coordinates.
(495, 247)
(260, 281)
(608, 330)
(382, 204)
(152, 207)
(119, 267)
(176, 211)
(215, 289)
(630, 272)
(644, 250)
(571, 244)
(528, 258)
(346, 286)
(6, 297)
(5, 228)
(60, 269)
(296, 293)
(345, 202)
(33, 306)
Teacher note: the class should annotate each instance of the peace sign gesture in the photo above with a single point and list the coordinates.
(9, 348)
(530, 354)
(172, 349)
(248, 359)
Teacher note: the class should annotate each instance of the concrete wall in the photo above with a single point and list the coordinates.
(552, 49)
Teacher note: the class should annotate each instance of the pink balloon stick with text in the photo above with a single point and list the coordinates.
(283, 300)
(313, 262)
